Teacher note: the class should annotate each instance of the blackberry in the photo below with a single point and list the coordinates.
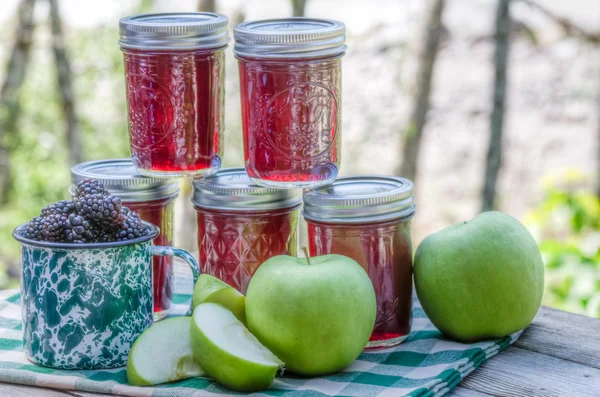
(131, 227)
(62, 207)
(49, 228)
(101, 210)
(88, 187)
(78, 230)
(34, 228)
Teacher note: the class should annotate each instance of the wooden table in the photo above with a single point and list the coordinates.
(557, 355)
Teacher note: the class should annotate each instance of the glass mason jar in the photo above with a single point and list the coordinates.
(174, 76)
(368, 218)
(153, 199)
(291, 97)
(241, 225)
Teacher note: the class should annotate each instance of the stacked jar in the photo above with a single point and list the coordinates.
(153, 200)
(174, 80)
(290, 91)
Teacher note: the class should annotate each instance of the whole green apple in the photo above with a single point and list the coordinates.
(480, 279)
(315, 314)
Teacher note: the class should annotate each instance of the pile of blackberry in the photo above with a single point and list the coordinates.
(93, 216)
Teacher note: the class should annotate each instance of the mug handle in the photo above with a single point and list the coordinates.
(158, 250)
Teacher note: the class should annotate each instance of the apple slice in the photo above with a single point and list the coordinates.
(211, 289)
(228, 352)
(163, 353)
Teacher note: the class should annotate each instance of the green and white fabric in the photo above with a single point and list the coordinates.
(426, 364)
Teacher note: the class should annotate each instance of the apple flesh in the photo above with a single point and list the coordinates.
(211, 289)
(480, 279)
(163, 353)
(228, 352)
(316, 315)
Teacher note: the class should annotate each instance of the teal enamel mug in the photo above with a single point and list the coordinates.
(83, 305)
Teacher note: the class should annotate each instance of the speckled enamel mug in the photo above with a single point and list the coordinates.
(84, 305)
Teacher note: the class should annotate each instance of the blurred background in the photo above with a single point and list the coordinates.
(483, 103)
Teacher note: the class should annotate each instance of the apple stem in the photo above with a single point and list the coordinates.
(306, 254)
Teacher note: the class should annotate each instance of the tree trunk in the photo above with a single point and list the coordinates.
(298, 8)
(598, 149)
(65, 86)
(9, 96)
(207, 5)
(429, 50)
(494, 155)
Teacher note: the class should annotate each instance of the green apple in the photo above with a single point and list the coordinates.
(316, 314)
(228, 352)
(163, 353)
(480, 279)
(211, 289)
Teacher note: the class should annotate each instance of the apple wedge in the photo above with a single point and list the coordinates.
(163, 353)
(211, 289)
(228, 352)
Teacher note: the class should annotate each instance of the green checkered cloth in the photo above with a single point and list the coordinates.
(426, 364)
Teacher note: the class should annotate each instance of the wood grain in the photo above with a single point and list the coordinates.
(556, 333)
(459, 391)
(518, 372)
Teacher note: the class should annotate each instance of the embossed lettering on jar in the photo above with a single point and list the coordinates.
(368, 219)
(290, 87)
(241, 225)
(174, 74)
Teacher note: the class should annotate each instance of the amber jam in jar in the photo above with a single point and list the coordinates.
(153, 199)
(174, 75)
(290, 87)
(368, 219)
(241, 225)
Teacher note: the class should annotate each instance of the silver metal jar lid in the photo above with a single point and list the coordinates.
(361, 199)
(290, 38)
(174, 31)
(231, 189)
(121, 178)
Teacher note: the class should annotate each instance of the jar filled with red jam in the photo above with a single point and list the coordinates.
(153, 199)
(241, 225)
(290, 87)
(174, 78)
(368, 218)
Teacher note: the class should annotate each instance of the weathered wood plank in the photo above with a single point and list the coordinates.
(462, 392)
(517, 372)
(564, 335)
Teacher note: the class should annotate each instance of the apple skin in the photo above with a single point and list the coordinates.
(480, 279)
(317, 317)
(210, 289)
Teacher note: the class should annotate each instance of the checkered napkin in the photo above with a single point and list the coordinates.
(426, 364)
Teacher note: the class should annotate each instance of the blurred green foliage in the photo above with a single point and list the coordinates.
(567, 227)
(40, 169)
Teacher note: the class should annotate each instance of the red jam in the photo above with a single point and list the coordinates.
(234, 244)
(291, 95)
(241, 225)
(384, 251)
(175, 103)
(291, 120)
(368, 218)
(160, 213)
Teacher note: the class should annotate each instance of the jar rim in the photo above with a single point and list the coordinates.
(173, 31)
(121, 178)
(359, 199)
(231, 189)
(297, 37)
